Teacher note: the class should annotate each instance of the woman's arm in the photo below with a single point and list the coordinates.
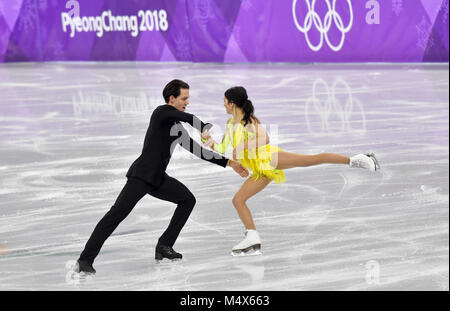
(226, 139)
(261, 139)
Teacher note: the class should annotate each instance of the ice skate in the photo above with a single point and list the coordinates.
(366, 161)
(77, 274)
(251, 245)
(163, 251)
(84, 267)
(372, 156)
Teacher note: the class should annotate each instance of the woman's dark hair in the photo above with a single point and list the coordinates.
(238, 96)
(173, 88)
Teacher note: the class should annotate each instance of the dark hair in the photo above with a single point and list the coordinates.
(173, 89)
(238, 96)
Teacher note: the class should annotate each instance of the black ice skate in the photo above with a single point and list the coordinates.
(84, 267)
(163, 251)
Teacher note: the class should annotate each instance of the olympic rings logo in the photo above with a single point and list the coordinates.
(323, 27)
(327, 113)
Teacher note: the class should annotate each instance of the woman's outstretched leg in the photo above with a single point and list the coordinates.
(283, 160)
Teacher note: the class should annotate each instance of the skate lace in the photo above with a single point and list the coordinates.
(359, 164)
(168, 250)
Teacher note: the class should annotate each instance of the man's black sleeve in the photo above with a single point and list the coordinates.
(195, 148)
(174, 115)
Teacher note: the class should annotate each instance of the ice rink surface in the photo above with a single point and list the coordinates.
(69, 132)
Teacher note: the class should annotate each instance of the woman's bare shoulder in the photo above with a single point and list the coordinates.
(252, 126)
(255, 121)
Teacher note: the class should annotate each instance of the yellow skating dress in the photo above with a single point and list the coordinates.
(255, 159)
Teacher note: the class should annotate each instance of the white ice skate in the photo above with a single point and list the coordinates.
(251, 245)
(366, 161)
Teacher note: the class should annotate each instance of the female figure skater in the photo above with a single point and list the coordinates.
(251, 148)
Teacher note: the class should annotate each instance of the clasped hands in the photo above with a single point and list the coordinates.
(208, 141)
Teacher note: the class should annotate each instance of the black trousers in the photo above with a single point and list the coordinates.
(170, 190)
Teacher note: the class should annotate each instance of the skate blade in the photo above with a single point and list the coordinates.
(254, 250)
(167, 261)
(375, 160)
(77, 278)
(74, 270)
(84, 275)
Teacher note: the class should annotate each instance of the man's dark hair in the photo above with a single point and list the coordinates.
(173, 88)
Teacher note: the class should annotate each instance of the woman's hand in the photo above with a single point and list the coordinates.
(207, 140)
(238, 168)
(205, 135)
(210, 143)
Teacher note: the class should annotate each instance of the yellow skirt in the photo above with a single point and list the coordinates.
(258, 161)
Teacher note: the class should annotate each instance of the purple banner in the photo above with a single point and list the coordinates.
(225, 31)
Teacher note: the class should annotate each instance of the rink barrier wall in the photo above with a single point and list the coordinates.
(225, 31)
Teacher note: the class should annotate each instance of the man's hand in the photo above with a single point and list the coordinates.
(207, 127)
(238, 168)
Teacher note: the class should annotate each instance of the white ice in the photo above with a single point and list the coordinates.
(69, 131)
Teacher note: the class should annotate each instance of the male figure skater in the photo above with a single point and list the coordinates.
(147, 175)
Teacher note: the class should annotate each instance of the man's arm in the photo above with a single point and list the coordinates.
(174, 115)
(195, 148)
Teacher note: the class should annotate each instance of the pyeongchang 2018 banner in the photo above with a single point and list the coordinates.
(225, 30)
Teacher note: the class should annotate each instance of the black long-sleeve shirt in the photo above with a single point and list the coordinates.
(163, 130)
